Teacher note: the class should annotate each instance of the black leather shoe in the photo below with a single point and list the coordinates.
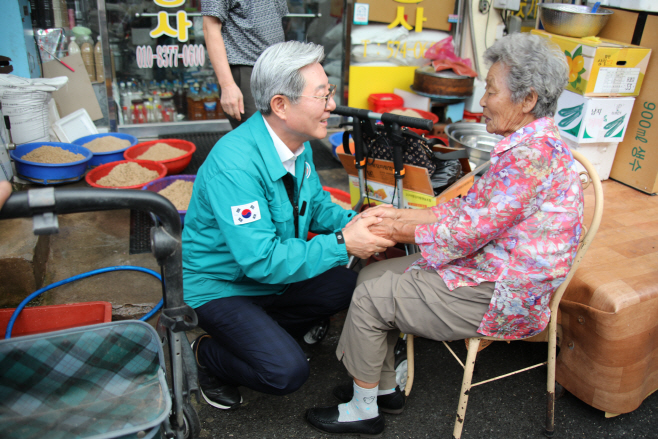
(325, 419)
(393, 403)
(217, 394)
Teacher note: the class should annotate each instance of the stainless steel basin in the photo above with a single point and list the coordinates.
(474, 138)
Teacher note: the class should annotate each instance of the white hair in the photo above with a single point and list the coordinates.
(277, 72)
(533, 65)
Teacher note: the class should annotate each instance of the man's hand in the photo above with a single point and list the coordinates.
(232, 101)
(5, 191)
(360, 242)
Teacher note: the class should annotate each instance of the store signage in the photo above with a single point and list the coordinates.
(164, 28)
(190, 55)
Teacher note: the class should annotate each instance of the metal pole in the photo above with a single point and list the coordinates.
(457, 38)
(107, 64)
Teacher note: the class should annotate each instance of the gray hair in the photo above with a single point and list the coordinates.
(533, 65)
(277, 72)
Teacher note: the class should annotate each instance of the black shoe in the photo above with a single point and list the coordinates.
(317, 333)
(393, 403)
(217, 394)
(325, 419)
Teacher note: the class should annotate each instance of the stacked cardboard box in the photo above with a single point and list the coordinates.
(593, 112)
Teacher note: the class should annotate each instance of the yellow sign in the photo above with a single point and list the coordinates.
(164, 28)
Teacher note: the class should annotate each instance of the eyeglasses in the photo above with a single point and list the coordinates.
(331, 94)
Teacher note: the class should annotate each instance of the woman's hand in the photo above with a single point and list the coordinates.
(394, 230)
(382, 211)
(370, 209)
(361, 242)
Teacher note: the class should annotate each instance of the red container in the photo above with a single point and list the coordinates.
(337, 194)
(384, 102)
(39, 319)
(175, 165)
(97, 173)
(472, 117)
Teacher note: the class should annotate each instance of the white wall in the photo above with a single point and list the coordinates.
(484, 35)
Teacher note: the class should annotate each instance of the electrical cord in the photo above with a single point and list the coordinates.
(14, 316)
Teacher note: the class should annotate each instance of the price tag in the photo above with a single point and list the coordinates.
(616, 80)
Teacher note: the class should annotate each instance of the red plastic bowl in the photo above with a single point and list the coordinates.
(175, 165)
(101, 171)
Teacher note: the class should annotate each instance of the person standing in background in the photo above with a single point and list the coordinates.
(236, 33)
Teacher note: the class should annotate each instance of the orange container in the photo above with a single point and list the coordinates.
(97, 173)
(39, 319)
(175, 165)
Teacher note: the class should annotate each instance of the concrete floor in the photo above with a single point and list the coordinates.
(511, 408)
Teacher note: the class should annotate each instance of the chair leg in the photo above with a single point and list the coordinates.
(550, 379)
(473, 345)
(410, 365)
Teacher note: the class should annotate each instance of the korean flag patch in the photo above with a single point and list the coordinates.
(245, 213)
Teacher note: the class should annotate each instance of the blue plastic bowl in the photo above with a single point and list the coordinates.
(335, 140)
(161, 183)
(46, 173)
(100, 158)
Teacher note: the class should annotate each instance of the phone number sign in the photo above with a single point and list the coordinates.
(189, 55)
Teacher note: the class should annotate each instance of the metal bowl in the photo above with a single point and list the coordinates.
(474, 138)
(573, 20)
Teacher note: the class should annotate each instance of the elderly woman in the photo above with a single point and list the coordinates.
(489, 262)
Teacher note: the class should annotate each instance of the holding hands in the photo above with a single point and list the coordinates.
(389, 225)
(359, 239)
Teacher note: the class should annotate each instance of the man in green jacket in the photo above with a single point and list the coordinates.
(254, 280)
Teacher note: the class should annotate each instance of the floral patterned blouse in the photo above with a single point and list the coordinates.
(518, 226)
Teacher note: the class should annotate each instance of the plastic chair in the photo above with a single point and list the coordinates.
(549, 334)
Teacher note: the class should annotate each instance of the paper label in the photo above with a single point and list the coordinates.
(616, 80)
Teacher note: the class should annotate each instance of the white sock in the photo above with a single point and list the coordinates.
(385, 391)
(362, 406)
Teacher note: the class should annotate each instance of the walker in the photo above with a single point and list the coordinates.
(107, 380)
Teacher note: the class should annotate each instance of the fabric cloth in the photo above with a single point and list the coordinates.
(253, 337)
(242, 77)
(388, 300)
(248, 26)
(223, 255)
(519, 226)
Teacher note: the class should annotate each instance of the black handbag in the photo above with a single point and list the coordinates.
(416, 150)
(443, 168)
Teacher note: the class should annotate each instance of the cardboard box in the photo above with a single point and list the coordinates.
(636, 160)
(435, 12)
(603, 67)
(600, 155)
(418, 192)
(592, 120)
